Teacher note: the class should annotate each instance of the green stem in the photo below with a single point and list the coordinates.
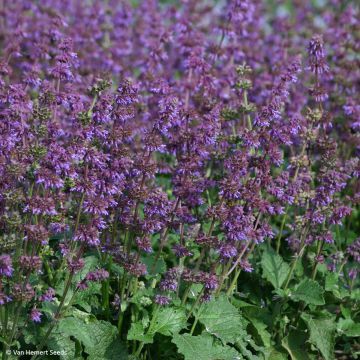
(278, 242)
(195, 303)
(293, 266)
(223, 277)
(320, 245)
(196, 320)
(248, 119)
(233, 282)
(153, 320)
(56, 316)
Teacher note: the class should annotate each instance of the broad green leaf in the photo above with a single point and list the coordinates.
(203, 347)
(76, 328)
(349, 327)
(63, 344)
(331, 282)
(260, 319)
(137, 332)
(275, 269)
(100, 338)
(294, 344)
(335, 286)
(322, 334)
(273, 354)
(223, 320)
(260, 327)
(105, 343)
(169, 321)
(310, 292)
(243, 343)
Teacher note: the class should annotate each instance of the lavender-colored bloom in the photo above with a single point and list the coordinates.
(97, 275)
(75, 265)
(246, 266)
(353, 274)
(116, 302)
(23, 293)
(354, 250)
(210, 281)
(162, 300)
(144, 244)
(227, 250)
(41, 206)
(170, 281)
(30, 263)
(48, 295)
(181, 251)
(87, 234)
(127, 94)
(317, 55)
(4, 299)
(6, 268)
(35, 315)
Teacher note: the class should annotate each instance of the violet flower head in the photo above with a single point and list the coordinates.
(23, 293)
(170, 281)
(318, 66)
(6, 268)
(144, 244)
(35, 315)
(354, 250)
(127, 93)
(37, 234)
(87, 234)
(97, 275)
(353, 274)
(227, 251)
(181, 251)
(48, 295)
(30, 263)
(4, 299)
(75, 265)
(162, 300)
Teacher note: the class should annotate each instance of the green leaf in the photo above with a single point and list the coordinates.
(105, 342)
(260, 327)
(331, 282)
(322, 334)
(223, 320)
(137, 332)
(294, 343)
(169, 321)
(260, 320)
(100, 338)
(203, 347)
(335, 286)
(349, 327)
(275, 269)
(63, 344)
(273, 354)
(76, 328)
(310, 292)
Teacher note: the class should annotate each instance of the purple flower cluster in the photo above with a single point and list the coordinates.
(137, 133)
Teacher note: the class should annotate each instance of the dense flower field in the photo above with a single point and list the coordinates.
(179, 179)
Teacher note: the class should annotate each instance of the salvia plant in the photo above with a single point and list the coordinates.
(179, 179)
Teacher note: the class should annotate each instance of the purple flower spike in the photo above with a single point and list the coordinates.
(6, 268)
(162, 300)
(35, 315)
